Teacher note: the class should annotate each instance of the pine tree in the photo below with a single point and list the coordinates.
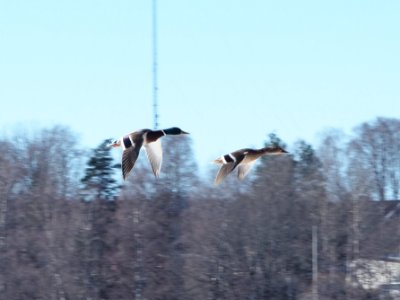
(100, 190)
(274, 140)
(99, 181)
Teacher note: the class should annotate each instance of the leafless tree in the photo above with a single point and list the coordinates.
(11, 175)
(374, 152)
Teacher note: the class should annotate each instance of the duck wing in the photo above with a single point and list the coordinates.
(129, 156)
(244, 168)
(226, 169)
(154, 154)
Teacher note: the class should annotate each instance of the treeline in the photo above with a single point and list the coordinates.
(70, 229)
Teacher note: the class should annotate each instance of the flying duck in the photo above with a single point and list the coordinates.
(150, 139)
(243, 159)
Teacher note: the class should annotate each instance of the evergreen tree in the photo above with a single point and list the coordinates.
(99, 181)
(94, 241)
(274, 140)
(306, 156)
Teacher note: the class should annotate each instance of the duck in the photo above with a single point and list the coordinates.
(243, 159)
(150, 139)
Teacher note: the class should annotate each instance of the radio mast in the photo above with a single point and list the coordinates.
(155, 66)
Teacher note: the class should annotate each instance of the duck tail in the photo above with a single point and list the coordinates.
(218, 161)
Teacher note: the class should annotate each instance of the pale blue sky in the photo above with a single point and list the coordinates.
(229, 71)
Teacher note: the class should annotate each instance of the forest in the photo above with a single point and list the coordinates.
(300, 226)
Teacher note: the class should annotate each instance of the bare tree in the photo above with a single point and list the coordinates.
(11, 174)
(40, 209)
(374, 152)
(173, 192)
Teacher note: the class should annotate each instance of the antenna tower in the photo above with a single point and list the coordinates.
(155, 65)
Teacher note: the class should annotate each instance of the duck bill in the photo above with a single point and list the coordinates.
(184, 132)
(114, 144)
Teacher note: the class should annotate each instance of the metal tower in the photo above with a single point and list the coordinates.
(155, 66)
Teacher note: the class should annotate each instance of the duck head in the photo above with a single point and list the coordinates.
(276, 150)
(174, 131)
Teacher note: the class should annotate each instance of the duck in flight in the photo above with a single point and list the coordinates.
(150, 139)
(243, 159)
